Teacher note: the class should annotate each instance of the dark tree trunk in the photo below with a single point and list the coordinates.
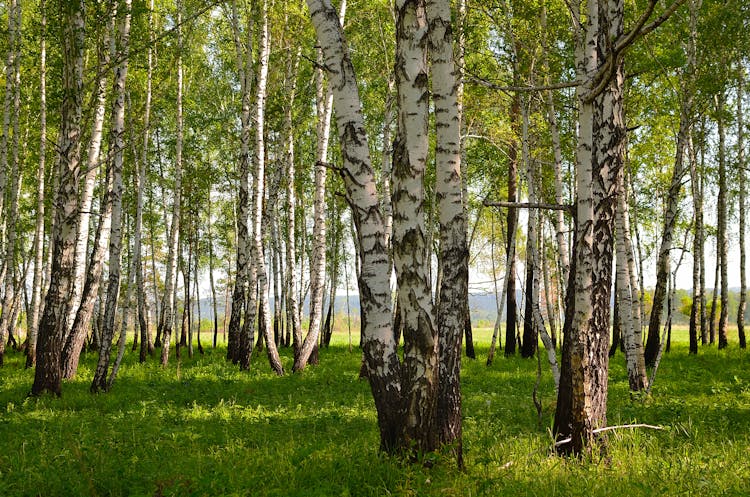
(530, 337)
(512, 220)
(616, 325)
(468, 335)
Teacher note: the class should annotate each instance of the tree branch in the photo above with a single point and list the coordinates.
(530, 205)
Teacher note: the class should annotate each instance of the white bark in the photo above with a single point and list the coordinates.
(240, 296)
(174, 238)
(532, 248)
(742, 205)
(627, 295)
(140, 186)
(292, 278)
(53, 325)
(117, 144)
(93, 162)
(410, 249)
(381, 360)
(36, 290)
(258, 195)
(8, 271)
(451, 198)
(10, 67)
(324, 106)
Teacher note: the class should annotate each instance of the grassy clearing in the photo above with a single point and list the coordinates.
(206, 429)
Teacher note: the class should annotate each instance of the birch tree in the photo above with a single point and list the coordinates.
(36, 290)
(672, 205)
(117, 148)
(9, 235)
(454, 253)
(147, 346)
(54, 325)
(324, 108)
(242, 273)
(742, 204)
(170, 279)
(601, 44)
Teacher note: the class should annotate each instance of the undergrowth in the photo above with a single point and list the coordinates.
(207, 429)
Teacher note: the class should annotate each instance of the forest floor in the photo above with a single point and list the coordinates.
(204, 428)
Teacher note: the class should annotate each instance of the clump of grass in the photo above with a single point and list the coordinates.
(212, 430)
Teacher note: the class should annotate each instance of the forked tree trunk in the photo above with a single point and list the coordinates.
(410, 253)
(582, 400)
(54, 325)
(93, 160)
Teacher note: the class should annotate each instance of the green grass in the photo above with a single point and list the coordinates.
(207, 429)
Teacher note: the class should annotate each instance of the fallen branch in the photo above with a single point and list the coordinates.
(610, 428)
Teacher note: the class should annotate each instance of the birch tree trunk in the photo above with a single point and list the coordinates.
(381, 361)
(36, 290)
(672, 207)
(117, 144)
(7, 113)
(701, 245)
(10, 221)
(259, 260)
(54, 325)
(170, 279)
(722, 242)
(147, 347)
(512, 222)
(214, 301)
(582, 401)
(410, 254)
(81, 324)
(241, 291)
(530, 339)
(93, 160)
(627, 295)
(696, 309)
(292, 280)
(742, 205)
(318, 261)
(454, 255)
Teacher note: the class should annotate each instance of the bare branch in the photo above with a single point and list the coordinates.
(610, 428)
(534, 205)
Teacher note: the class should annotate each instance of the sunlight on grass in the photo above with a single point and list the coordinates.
(212, 430)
